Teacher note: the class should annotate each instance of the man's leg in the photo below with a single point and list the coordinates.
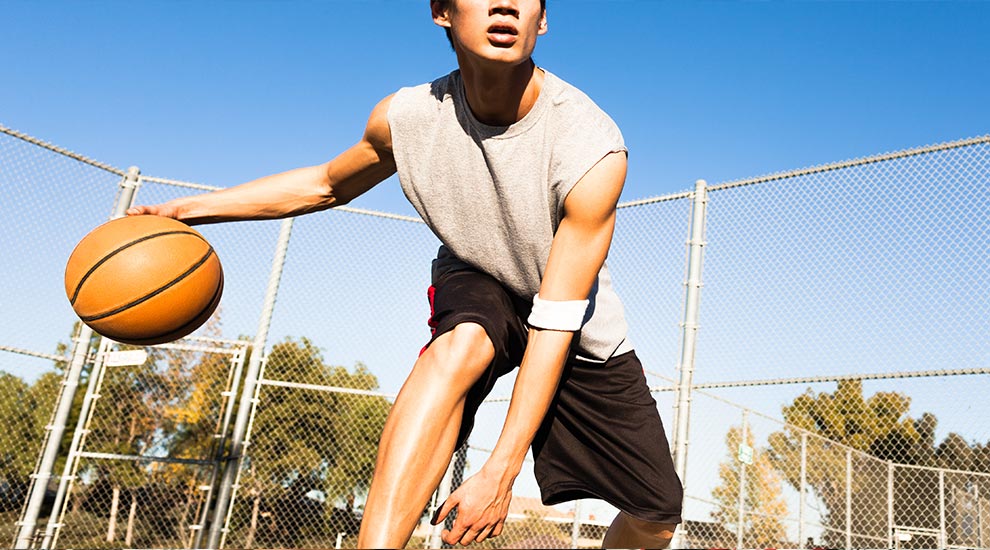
(420, 433)
(629, 532)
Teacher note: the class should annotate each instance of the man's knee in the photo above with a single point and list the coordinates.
(652, 529)
(627, 531)
(465, 350)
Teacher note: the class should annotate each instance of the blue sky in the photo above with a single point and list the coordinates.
(222, 92)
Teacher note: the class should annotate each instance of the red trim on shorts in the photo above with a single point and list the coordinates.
(431, 322)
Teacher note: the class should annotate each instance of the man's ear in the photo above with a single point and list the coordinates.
(441, 13)
(542, 29)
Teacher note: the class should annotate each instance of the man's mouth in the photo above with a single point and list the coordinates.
(502, 34)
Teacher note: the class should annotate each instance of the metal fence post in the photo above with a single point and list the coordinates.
(741, 514)
(689, 337)
(890, 504)
(63, 484)
(802, 494)
(576, 526)
(443, 491)
(63, 407)
(849, 473)
(238, 368)
(246, 402)
(942, 539)
(979, 515)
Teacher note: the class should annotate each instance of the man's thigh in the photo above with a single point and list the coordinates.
(472, 297)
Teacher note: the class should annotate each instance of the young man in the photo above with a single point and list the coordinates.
(518, 174)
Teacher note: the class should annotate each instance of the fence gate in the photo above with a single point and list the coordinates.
(150, 445)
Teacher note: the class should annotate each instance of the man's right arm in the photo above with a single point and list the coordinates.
(299, 191)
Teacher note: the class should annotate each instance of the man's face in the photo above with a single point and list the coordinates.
(502, 31)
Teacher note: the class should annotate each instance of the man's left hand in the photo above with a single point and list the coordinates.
(482, 504)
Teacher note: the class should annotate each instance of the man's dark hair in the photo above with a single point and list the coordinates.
(543, 6)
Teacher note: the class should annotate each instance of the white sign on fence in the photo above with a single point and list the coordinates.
(127, 358)
(745, 454)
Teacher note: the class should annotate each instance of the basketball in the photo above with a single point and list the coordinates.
(144, 280)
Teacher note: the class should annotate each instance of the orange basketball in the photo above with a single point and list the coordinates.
(144, 280)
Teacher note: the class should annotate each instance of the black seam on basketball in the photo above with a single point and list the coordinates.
(168, 336)
(211, 304)
(105, 258)
(153, 293)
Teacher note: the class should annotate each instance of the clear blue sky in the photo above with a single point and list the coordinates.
(222, 92)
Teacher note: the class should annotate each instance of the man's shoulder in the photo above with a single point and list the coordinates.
(576, 116)
(413, 108)
(439, 89)
(567, 95)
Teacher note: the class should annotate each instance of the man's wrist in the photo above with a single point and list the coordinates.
(503, 467)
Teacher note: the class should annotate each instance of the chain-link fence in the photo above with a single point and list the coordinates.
(834, 397)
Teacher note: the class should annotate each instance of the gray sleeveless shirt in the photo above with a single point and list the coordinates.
(494, 196)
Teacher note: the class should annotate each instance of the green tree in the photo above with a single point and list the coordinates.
(878, 425)
(25, 411)
(764, 503)
(20, 428)
(308, 445)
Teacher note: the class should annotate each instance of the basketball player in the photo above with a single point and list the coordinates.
(518, 174)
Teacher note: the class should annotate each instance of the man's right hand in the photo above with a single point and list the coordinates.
(165, 210)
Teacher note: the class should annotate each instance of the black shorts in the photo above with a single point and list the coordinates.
(602, 437)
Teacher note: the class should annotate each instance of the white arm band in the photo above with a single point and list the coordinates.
(551, 315)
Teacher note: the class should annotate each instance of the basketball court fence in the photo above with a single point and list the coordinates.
(816, 341)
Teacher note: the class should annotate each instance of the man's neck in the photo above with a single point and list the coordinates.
(501, 96)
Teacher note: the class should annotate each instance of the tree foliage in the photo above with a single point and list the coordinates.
(26, 410)
(307, 445)
(16, 454)
(320, 435)
(764, 506)
(850, 440)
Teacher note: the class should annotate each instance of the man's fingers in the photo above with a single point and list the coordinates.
(485, 533)
(468, 538)
(454, 535)
(443, 510)
(436, 514)
(149, 209)
(498, 527)
(462, 534)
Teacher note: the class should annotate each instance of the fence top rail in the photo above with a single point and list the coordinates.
(38, 354)
(180, 183)
(943, 470)
(655, 200)
(836, 378)
(958, 144)
(62, 151)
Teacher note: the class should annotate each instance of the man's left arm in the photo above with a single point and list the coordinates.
(577, 254)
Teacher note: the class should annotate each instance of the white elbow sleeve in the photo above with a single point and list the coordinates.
(557, 315)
